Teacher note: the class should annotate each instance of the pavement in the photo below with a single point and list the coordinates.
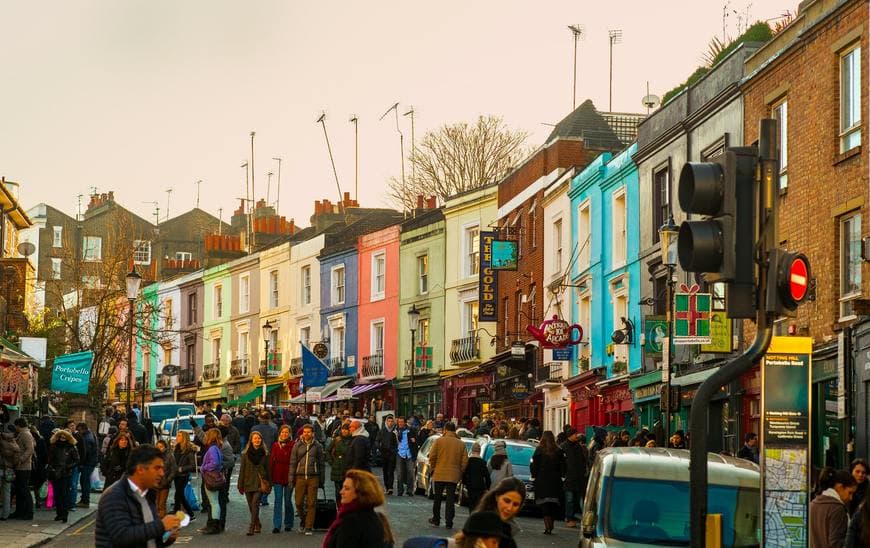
(43, 529)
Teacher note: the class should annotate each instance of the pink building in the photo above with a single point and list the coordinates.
(379, 322)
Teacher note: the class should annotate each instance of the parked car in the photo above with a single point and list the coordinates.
(423, 484)
(519, 454)
(158, 411)
(169, 428)
(639, 496)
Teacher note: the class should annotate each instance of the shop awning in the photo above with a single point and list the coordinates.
(445, 374)
(211, 393)
(693, 378)
(9, 352)
(355, 391)
(325, 391)
(254, 394)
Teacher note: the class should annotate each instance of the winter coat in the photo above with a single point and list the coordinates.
(212, 461)
(547, 472)
(27, 446)
(89, 452)
(170, 469)
(9, 450)
(388, 443)
(279, 462)
(337, 457)
(853, 534)
(828, 522)
(476, 476)
(858, 497)
(116, 464)
(120, 521)
(448, 458)
(306, 461)
(228, 457)
(139, 432)
(576, 465)
(250, 473)
(234, 438)
(506, 471)
(63, 456)
(360, 529)
(185, 462)
(358, 454)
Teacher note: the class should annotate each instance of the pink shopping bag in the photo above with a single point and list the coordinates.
(49, 499)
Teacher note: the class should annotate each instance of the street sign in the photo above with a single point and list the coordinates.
(344, 394)
(798, 278)
(692, 316)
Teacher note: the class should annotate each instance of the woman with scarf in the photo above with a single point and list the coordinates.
(62, 458)
(212, 465)
(357, 525)
(829, 515)
(116, 461)
(254, 478)
(184, 454)
(499, 466)
(279, 470)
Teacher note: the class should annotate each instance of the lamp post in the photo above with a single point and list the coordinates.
(413, 323)
(267, 334)
(667, 234)
(133, 280)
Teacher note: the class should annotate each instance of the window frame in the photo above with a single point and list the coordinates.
(244, 293)
(337, 291)
(57, 236)
(378, 293)
(305, 284)
(92, 254)
(423, 274)
(191, 308)
(845, 299)
(558, 243)
(183, 256)
(139, 252)
(373, 339)
(621, 243)
(848, 134)
(56, 273)
(779, 112)
(218, 296)
(470, 251)
(274, 289)
(584, 235)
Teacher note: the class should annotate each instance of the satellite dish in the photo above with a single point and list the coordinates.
(651, 101)
(26, 248)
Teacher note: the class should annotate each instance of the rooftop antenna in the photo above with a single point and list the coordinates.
(278, 197)
(197, 193)
(246, 203)
(268, 186)
(578, 32)
(395, 108)
(650, 101)
(168, 196)
(322, 121)
(156, 212)
(413, 148)
(355, 121)
(220, 220)
(615, 38)
(79, 214)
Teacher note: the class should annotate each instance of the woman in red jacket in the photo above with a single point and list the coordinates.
(279, 469)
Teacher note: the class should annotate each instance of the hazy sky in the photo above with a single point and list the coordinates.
(142, 96)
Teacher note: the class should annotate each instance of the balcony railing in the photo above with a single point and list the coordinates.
(186, 376)
(163, 381)
(295, 367)
(138, 384)
(336, 366)
(419, 369)
(373, 366)
(551, 372)
(120, 387)
(465, 349)
(239, 367)
(211, 372)
(274, 367)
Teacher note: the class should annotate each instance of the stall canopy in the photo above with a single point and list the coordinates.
(355, 391)
(325, 391)
(254, 394)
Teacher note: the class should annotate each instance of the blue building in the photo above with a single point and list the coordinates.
(606, 274)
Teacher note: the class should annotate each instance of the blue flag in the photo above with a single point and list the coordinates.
(314, 371)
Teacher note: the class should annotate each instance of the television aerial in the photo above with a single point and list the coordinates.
(651, 101)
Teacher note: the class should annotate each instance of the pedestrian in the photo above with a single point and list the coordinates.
(269, 432)
(9, 452)
(106, 422)
(481, 530)
(407, 453)
(116, 463)
(212, 478)
(127, 514)
(858, 468)
(576, 468)
(357, 525)
(62, 458)
(533, 430)
(829, 516)
(499, 465)
(447, 460)
(358, 457)
(184, 455)
(89, 457)
(677, 441)
(749, 451)
(337, 456)
(505, 499)
(39, 465)
(427, 430)
(254, 478)
(228, 462)
(306, 476)
(279, 471)
(475, 478)
(547, 469)
(169, 473)
(23, 468)
(242, 426)
(388, 447)
(858, 533)
(140, 433)
(232, 436)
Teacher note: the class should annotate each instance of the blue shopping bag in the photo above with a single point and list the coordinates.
(190, 495)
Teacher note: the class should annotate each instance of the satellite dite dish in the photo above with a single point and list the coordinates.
(651, 101)
(26, 248)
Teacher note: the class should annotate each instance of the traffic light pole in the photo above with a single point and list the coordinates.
(767, 229)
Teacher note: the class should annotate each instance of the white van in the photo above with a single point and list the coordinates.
(639, 496)
(158, 411)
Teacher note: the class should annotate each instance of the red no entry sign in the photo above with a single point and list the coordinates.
(798, 278)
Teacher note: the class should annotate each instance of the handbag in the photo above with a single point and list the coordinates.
(190, 495)
(325, 511)
(265, 486)
(214, 480)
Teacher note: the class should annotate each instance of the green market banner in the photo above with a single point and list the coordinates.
(720, 333)
(692, 316)
(72, 372)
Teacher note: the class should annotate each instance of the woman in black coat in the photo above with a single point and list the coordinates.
(357, 525)
(547, 469)
(62, 458)
(116, 462)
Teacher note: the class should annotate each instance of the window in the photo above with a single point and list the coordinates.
(243, 345)
(518, 323)
(472, 251)
(521, 235)
(505, 322)
(92, 248)
(244, 293)
(273, 289)
(533, 303)
(377, 343)
(533, 230)
(423, 332)
(167, 355)
(379, 268)
(304, 335)
(661, 200)
(850, 263)
(91, 282)
(660, 290)
(183, 256)
(423, 274)
(717, 291)
(306, 284)
(57, 236)
(586, 324)
(469, 318)
(55, 269)
(620, 310)
(275, 343)
(191, 357)
(141, 252)
(557, 247)
(216, 351)
(780, 114)
(218, 301)
(850, 99)
(338, 285)
(191, 309)
(584, 236)
(168, 319)
(618, 227)
(336, 341)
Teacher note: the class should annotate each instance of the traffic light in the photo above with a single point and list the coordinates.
(788, 281)
(722, 244)
(670, 401)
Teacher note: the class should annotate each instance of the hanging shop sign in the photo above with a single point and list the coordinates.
(504, 254)
(720, 333)
(488, 285)
(556, 333)
(72, 372)
(320, 350)
(655, 329)
(692, 316)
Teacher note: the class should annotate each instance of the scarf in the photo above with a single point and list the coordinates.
(343, 510)
(256, 455)
(831, 492)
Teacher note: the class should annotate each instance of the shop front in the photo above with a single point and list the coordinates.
(584, 394)
(186, 393)
(427, 397)
(617, 406)
(466, 392)
(238, 388)
(828, 443)
(722, 421)
(646, 392)
(212, 394)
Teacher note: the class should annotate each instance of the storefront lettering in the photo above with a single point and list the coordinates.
(488, 281)
(556, 333)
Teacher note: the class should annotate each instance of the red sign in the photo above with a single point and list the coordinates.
(798, 278)
(556, 333)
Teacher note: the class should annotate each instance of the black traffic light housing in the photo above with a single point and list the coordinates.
(722, 244)
(779, 298)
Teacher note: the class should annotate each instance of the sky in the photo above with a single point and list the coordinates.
(140, 96)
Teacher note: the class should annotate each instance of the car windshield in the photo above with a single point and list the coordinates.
(657, 512)
(519, 455)
(164, 411)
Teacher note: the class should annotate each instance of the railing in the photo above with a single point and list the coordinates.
(295, 367)
(373, 366)
(419, 368)
(336, 366)
(120, 388)
(550, 372)
(211, 372)
(164, 381)
(239, 367)
(274, 367)
(186, 376)
(465, 349)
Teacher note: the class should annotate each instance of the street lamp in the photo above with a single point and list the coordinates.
(413, 323)
(267, 334)
(133, 280)
(668, 234)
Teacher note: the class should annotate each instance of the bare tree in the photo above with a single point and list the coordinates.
(459, 157)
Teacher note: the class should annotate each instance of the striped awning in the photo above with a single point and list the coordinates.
(355, 391)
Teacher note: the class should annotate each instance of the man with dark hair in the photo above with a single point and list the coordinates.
(359, 452)
(23, 468)
(749, 451)
(89, 457)
(140, 434)
(388, 447)
(127, 512)
(576, 474)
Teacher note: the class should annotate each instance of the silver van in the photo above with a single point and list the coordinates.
(639, 496)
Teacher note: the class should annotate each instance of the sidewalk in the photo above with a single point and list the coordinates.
(24, 534)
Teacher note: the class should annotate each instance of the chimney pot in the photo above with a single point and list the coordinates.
(419, 201)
